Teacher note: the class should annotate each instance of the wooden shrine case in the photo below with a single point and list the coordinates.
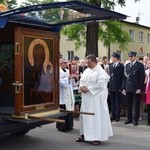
(31, 81)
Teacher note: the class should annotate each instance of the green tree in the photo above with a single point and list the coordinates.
(3, 1)
(90, 34)
(11, 4)
(35, 2)
(106, 32)
(48, 15)
(113, 33)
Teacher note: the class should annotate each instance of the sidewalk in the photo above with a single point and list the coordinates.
(131, 137)
(126, 136)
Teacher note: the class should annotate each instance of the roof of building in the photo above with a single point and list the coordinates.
(135, 24)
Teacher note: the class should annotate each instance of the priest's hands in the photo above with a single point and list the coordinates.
(84, 89)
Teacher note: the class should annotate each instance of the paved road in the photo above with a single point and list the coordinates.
(126, 137)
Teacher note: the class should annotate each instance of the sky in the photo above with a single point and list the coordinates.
(140, 9)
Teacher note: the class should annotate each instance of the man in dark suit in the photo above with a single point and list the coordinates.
(116, 71)
(133, 85)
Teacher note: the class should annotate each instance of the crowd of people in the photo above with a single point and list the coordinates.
(109, 89)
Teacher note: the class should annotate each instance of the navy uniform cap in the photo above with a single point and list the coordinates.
(76, 57)
(131, 53)
(115, 55)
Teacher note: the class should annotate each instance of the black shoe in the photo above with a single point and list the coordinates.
(69, 129)
(62, 130)
(80, 139)
(123, 115)
(135, 123)
(148, 121)
(96, 142)
(128, 121)
(117, 119)
(112, 118)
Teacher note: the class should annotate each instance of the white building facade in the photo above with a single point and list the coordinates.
(140, 42)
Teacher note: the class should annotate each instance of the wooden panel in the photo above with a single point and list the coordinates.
(37, 68)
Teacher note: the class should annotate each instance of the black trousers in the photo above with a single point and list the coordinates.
(148, 114)
(115, 98)
(68, 125)
(133, 106)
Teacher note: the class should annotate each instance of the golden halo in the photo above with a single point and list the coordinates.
(30, 51)
(48, 63)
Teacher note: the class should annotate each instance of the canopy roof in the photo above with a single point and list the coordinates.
(54, 15)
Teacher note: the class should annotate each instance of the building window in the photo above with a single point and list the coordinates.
(132, 35)
(141, 37)
(70, 55)
(148, 38)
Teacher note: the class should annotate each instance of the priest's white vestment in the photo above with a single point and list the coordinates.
(66, 90)
(95, 127)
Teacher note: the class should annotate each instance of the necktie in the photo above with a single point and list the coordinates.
(114, 65)
(131, 64)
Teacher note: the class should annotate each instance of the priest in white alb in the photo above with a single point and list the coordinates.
(93, 86)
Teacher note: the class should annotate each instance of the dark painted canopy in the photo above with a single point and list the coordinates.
(54, 15)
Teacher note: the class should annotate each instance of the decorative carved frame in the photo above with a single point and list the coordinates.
(39, 37)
